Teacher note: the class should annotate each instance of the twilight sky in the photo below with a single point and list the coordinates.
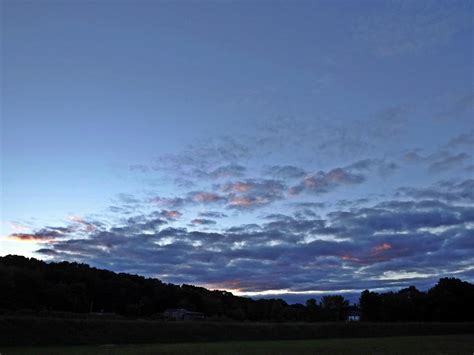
(263, 147)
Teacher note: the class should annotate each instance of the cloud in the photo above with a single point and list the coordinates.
(413, 156)
(350, 249)
(238, 187)
(462, 140)
(322, 182)
(253, 193)
(81, 223)
(139, 224)
(383, 167)
(47, 252)
(305, 205)
(243, 194)
(247, 202)
(205, 159)
(128, 199)
(351, 203)
(449, 162)
(248, 194)
(203, 221)
(403, 215)
(205, 197)
(212, 214)
(231, 170)
(184, 183)
(439, 161)
(18, 227)
(285, 172)
(43, 235)
(125, 203)
(169, 214)
(449, 191)
(170, 202)
(361, 165)
(221, 172)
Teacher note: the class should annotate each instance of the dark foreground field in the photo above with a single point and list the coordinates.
(446, 344)
(44, 331)
(28, 331)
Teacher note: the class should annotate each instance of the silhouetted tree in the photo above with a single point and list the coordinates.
(313, 310)
(451, 300)
(72, 287)
(334, 308)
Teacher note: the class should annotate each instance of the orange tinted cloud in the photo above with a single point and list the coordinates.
(41, 236)
(26, 237)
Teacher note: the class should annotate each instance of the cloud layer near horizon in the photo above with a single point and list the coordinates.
(391, 243)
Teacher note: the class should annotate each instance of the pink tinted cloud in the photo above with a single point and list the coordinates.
(82, 224)
(202, 221)
(246, 201)
(18, 227)
(350, 258)
(378, 249)
(173, 214)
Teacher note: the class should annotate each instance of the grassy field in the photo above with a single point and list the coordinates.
(31, 331)
(440, 344)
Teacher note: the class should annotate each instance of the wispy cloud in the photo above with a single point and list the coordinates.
(203, 221)
(449, 162)
(323, 182)
(212, 214)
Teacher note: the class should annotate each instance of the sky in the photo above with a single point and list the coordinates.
(268, 148)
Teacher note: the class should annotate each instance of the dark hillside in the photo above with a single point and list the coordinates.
(37, 287)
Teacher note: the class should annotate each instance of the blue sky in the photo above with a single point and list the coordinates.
(262, 147)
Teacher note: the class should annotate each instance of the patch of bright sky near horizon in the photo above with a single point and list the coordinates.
(212, 116)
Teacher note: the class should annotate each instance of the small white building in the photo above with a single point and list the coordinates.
(353, 316)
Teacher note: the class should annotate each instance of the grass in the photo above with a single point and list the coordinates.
(31, 331)
(439, 344)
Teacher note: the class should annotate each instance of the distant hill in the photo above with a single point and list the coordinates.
(31, 284)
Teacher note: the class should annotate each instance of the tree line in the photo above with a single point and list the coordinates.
(449, 300)
(31, 284)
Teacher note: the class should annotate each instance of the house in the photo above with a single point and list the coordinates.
(182, 314)
(353, 316)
